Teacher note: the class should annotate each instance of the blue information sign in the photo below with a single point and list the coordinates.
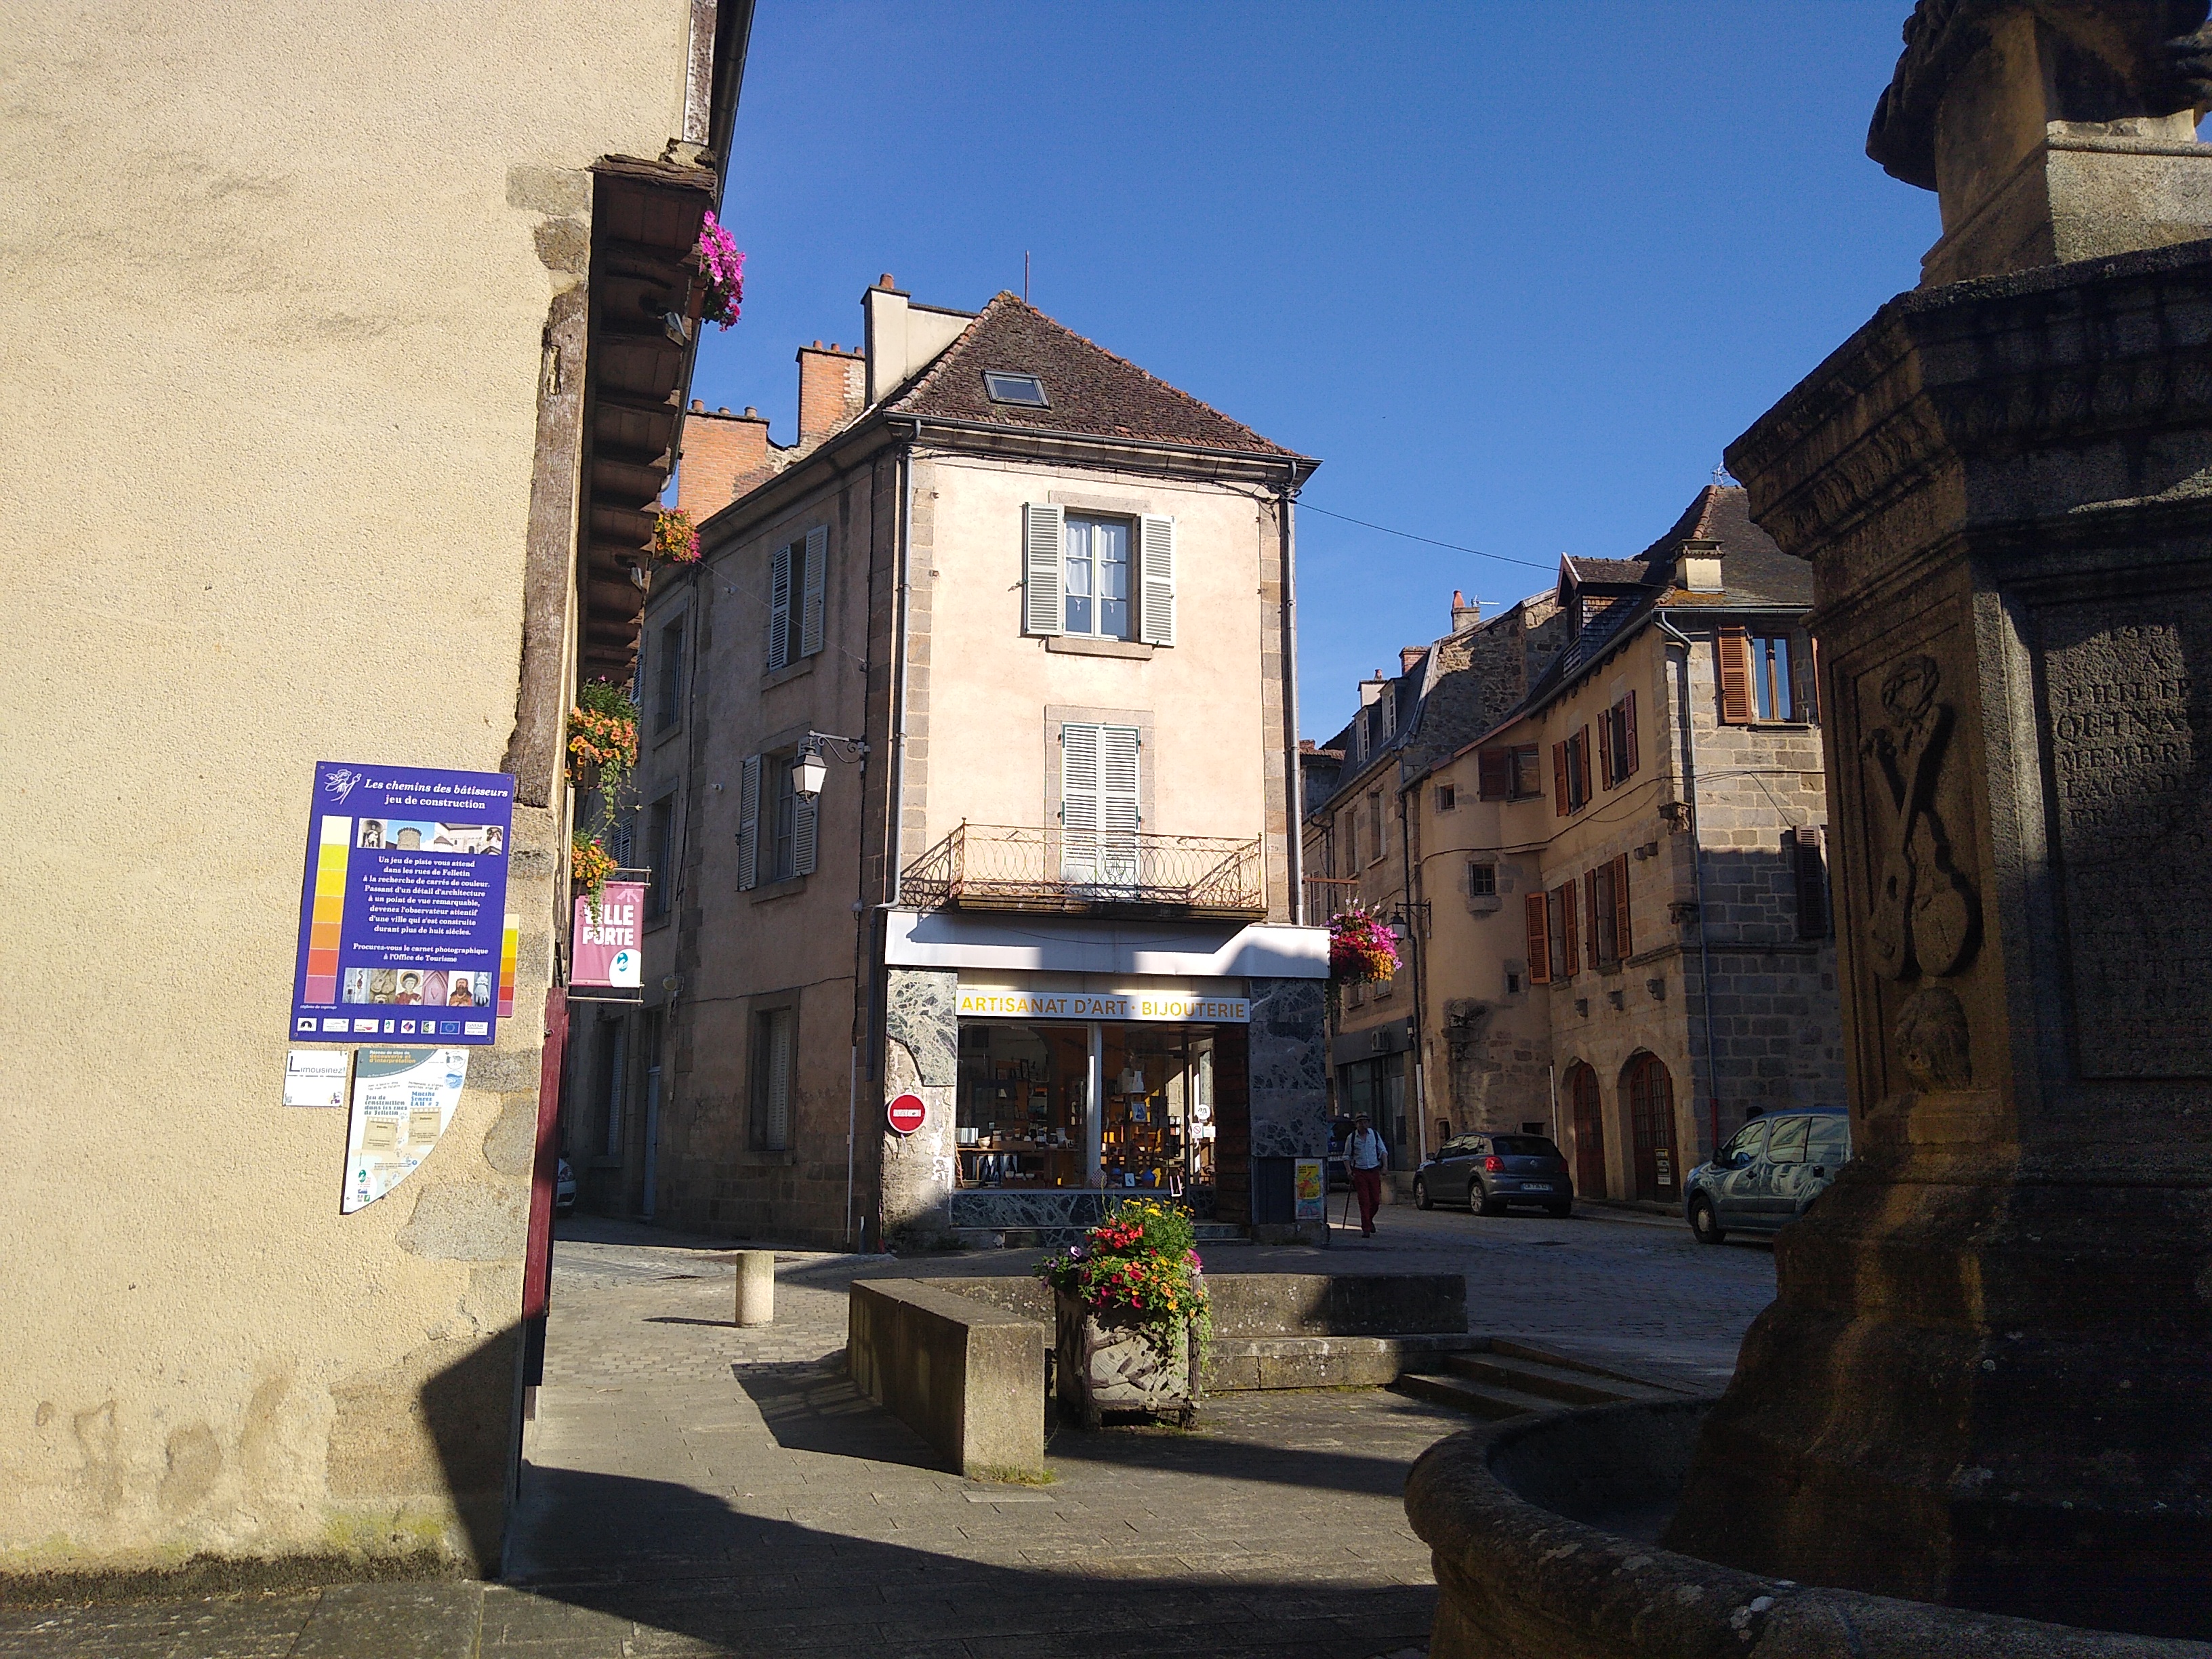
(403, 913)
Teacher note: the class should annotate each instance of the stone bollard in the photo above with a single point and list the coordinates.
(755, 1288)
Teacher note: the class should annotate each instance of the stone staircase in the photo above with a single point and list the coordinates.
(1509, 1379)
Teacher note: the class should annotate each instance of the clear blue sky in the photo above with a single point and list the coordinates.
(1515, 273)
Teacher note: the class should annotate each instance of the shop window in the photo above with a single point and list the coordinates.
(774, 1081)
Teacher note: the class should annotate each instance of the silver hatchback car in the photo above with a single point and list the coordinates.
(1764, 1178)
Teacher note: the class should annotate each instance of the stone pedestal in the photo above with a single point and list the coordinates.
(1987, 1379)
(755, 1288)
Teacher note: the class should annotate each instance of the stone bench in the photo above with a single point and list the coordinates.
(966, 1376)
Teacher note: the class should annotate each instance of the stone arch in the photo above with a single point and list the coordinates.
(1647, 1089)
(1585, 1114)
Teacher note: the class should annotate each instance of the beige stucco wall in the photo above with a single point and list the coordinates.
(273, 299)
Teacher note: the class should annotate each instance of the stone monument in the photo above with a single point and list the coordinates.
(1987, 1379)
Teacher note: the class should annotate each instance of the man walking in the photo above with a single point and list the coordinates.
(1365, 1152)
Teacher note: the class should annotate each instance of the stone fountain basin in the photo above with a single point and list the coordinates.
(1544, 1534)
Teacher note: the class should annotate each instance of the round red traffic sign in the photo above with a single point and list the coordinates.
(906, 1114)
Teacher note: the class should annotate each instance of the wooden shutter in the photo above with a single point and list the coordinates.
(776, 1115)
(749, 802)
(1582, 769)
(1630, 759)
(1156, 589)
(1801, 678)
(1608, 729)
(1621, 946)
(1590, 912)
(779, 608)
(1493, 772)
(1079, 803)
(818, 565)
(1539, 939)
(1574, 964)
(1560, 807)
(1733, 647)
(1044, 533)
(1812, 882)
(1117, 805)
(802, 835)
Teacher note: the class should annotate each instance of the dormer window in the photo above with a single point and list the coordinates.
(1025, 391)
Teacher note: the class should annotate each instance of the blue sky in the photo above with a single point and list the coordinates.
(1515, 272)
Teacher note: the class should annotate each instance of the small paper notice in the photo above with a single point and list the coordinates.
(316, 1077)
(402, 1102)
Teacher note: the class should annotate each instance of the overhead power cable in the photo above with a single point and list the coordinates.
(1502, 558)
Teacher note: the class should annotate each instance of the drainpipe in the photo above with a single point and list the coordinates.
(895, 830)
(1293, 782)
(1413, 940)
(1675, 636)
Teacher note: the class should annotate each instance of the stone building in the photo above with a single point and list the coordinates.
(1029, 610)
(1445, 693)
(387, 316)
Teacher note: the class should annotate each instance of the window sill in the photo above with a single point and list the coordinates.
(789, 672)
(1770, 725)
(775, 889)
(1074, 645)
(1485, 903)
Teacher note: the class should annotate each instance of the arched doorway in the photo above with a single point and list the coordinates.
(1651, 1122)
(1590, 1132)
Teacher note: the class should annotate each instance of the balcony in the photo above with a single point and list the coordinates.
(994, 866)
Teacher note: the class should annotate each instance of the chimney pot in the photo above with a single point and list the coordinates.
(885, 280)
(724, 410)
(751, 413)
(698, 406)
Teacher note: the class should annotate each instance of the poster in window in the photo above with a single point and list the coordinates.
(403, 907)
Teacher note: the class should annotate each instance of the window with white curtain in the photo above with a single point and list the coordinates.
(1097, 582)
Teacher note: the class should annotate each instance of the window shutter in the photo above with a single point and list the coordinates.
(1582, 766)
(1079, 803)
(1733, 647)
(1155, 560)
(802, 835)
(817, 566)
(776, 1130)
(1540, 940)
(779, 608)
(1559, 808)
(1591, 941)
(1494, 774)
(1044, 609)
(1812, 884)
(1621, 946)
(1800, 678)
(749, 802)
(1632, 759)
(1574, 957)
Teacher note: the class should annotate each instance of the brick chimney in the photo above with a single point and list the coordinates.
(1465, 614)
(724, 455)
(832, 390)
(1408, 655)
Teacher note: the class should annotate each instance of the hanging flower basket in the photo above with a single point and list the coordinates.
(724, 268)
(602, 738)
(1361, 948)
(675, 537)
(1130, 1319)
(589, 867)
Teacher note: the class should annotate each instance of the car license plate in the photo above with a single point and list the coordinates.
(1535, 1186)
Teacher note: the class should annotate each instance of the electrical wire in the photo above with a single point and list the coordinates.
(1502, 558)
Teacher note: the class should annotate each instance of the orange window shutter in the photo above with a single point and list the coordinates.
(1590, 914)
(1630, 759)
(1494, 774)
(1604, 747)
(1560, 807)
(1734, 647)
(1540, 940)
(1620, 932)
(1567, 927)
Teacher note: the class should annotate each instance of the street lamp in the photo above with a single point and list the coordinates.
(809, 770)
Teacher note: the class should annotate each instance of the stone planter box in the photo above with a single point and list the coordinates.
(1111, 1365)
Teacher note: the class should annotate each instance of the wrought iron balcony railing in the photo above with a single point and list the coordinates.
(994, 866)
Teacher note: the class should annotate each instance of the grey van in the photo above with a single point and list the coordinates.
(1764, 1178)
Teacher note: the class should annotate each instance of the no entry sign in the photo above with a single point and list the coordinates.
(906, 1114)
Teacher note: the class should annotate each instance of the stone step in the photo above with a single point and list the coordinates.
(1547, 1378)
(1324, 1362)
(1478, 1399)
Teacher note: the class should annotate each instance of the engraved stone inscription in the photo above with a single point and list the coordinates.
(2130, 750)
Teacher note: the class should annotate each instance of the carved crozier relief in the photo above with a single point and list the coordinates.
(1925, 911)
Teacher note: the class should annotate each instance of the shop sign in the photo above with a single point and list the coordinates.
(608, 952)
(907, 1113)
(996, 1002)
(403, 930)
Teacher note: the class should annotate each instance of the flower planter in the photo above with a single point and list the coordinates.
(1111, 1364)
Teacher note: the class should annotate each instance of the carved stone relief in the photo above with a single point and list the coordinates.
(1926, 914)
(2131, 759)
(1932, 1040)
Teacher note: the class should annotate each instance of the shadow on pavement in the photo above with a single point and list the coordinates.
(811, 1404)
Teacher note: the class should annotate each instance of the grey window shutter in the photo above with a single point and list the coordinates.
(802, 835)
(779, 608)
(776, 1127)
(1117, 805)
(1155, 560)
(749, 801)
(1079, 803)
(1043, 580)
(817, 564)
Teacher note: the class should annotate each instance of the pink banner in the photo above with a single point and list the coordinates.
(608, 947)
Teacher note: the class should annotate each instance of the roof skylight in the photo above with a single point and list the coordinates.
(1025, 390)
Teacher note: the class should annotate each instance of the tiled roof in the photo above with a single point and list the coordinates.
(1609, 570)
(1092, 390)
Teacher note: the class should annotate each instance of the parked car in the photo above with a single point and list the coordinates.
(564, 1189)
(1764, 1178)
(1488, 1172)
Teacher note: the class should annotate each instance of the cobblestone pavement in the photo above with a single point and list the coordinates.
(693, 1489)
